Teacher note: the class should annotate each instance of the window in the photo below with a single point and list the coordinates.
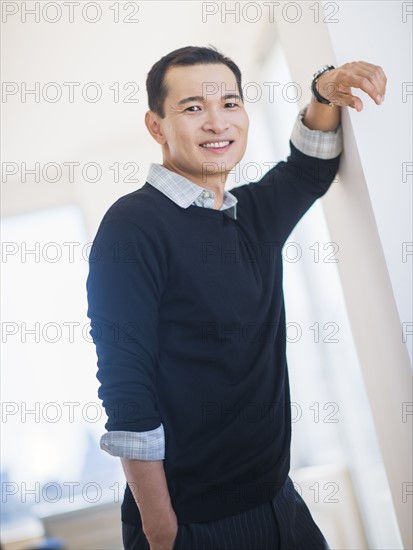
(51, 416)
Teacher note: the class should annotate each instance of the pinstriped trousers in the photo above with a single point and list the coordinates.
(284, 523)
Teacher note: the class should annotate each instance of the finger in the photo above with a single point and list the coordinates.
(377, 74)
(339, 95)
(364, 83)
(367, 77)
(362, 80)
(347, 100)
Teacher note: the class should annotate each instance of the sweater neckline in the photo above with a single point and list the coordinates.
(202, 211)
(191, 209)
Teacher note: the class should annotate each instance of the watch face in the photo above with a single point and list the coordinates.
(323, 70)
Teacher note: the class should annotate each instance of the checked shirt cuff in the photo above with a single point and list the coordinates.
(315, 143)
(135, 445)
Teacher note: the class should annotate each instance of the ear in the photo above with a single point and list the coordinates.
(153, 123)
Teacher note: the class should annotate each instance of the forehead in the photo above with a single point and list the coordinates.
(200, 80)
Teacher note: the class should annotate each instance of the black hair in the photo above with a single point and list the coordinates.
(189, 55)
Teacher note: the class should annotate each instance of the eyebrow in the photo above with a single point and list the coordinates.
(202, 99)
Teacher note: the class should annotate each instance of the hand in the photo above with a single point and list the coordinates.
(147, 481)
(162, 535)
(335, 85)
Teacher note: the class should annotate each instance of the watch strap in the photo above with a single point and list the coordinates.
(314, 90)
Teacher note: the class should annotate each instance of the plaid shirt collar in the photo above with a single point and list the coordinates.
(184, 193)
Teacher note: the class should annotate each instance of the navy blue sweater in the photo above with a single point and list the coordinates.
(188, 320)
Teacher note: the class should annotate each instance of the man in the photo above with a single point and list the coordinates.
(186, 303)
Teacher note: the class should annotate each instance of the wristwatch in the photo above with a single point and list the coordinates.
(316, 76)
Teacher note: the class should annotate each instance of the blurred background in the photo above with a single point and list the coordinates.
(74, 140)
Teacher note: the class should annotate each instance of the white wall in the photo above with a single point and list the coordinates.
(384, 134)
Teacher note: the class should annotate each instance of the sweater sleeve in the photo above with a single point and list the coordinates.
(124, 287)
(275, 204)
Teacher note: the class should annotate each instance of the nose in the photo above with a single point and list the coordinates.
(216, 121)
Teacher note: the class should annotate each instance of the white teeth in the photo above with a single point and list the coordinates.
(216, 145)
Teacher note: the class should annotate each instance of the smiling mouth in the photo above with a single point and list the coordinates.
(216, 144)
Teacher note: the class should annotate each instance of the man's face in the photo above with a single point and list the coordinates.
(204, 131)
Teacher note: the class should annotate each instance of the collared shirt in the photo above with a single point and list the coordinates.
(150, 445)
(184, 193)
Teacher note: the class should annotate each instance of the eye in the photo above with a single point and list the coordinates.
(230, 105)
(193, 108)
